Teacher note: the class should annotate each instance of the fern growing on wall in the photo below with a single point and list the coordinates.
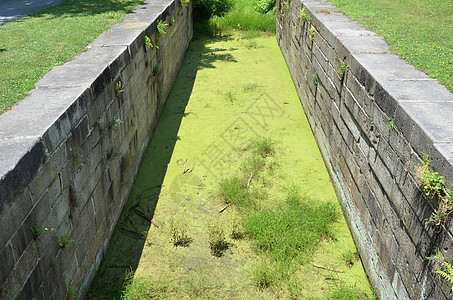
(444, 268)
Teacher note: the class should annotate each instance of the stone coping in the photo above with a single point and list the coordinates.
(39, 124)
(420, 106)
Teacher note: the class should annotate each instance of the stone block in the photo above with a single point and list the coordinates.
(19, 161)
(8, 262)
(16, 280)
(12, 215)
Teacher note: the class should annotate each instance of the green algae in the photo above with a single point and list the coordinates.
(230, 92)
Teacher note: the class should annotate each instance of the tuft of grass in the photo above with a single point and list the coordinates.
(264, 147)
(147, 288)
(237, 231)
(344, 293)
(420, 32)
(253, 165)
(232, 190)
(293, 231)
(50, 38)
(217, 241)
(179, 234)
(263, 276)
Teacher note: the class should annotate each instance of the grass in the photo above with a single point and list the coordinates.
(285, 234)
(50, 38)
(293, 231)
(420, 32)
(243, 16)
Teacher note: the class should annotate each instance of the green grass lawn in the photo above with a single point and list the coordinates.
(419, 31)
(32, 46)
(244, 16)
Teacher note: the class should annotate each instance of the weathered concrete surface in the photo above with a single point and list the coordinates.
(69, 152)
(373, 166)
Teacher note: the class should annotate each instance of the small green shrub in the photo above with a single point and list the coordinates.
(205, 9)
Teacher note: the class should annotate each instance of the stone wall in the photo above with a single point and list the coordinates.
(372, 124)
(69, 152)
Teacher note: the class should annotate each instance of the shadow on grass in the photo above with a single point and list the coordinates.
(125, 250)
(73, 8)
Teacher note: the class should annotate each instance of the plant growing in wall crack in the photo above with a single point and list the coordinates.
(184, 3)
(118, 87)
(433, 186)
(76, 160)
(114, 123)
(149, 43)
(156, 70)
(284, 9)
(64, 241)
(391, 124)
(111, 152)
(315, 79)
(311, 33)
(303, 17)
(70, 293)
(343, 68)
(161, 29)
(38, 230)
(444, 267)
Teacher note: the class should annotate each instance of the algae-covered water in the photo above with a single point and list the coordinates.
(230, 92)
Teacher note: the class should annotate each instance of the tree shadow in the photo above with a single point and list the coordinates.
(75, 8)
(130, 236)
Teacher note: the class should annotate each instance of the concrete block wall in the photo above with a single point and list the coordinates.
(69, 152)
(372, 163)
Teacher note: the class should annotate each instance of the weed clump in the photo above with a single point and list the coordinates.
(233, 191)
(293, 231)
(433, 186)
(236, 230)
(179, 234)
(264, 147)
(217, 241)
(263, 276)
